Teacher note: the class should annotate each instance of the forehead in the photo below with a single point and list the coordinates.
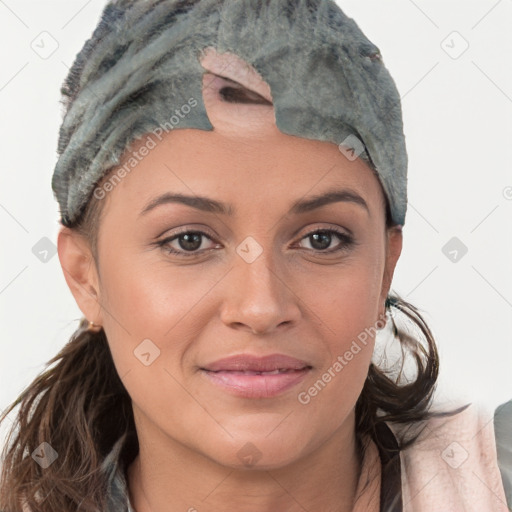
(270, 171)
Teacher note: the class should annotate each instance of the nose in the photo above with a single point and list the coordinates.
(259, 297)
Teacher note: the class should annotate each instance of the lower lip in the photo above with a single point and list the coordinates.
(256, 386)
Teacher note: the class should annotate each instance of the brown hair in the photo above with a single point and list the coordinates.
(80, 407)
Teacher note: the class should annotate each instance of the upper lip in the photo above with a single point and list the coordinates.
(246, 362)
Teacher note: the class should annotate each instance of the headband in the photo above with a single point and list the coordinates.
(140, 72)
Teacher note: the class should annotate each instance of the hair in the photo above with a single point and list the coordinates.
(79, 405)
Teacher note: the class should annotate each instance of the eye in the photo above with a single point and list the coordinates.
(185, 242)
(321, 239)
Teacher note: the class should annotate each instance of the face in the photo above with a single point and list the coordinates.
(257, 270)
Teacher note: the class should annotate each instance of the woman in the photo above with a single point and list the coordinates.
(232, 186)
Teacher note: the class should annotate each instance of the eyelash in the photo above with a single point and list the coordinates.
(346, 242)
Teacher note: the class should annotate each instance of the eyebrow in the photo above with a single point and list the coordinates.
(209, 205)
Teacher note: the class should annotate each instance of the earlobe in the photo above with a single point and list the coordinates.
(80, 272)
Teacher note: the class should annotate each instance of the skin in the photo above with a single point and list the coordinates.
(293, 299)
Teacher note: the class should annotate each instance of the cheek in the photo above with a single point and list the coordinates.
(152, 299)
(347, 312)
(155, 315)
(348, 301)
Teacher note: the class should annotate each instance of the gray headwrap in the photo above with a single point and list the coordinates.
(141, 65)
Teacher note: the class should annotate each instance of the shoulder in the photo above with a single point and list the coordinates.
(454, 462)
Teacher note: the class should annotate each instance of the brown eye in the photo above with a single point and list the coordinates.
(185, 243)
(190, 241)
(321, 240)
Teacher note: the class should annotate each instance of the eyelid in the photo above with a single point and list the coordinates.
(185, 229)
(326, 227)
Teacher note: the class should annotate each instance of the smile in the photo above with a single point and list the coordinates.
(256, 376)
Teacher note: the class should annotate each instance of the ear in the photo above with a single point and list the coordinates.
(393, 249)
(80, 272)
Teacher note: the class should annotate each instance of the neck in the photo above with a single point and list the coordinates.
(168, 476)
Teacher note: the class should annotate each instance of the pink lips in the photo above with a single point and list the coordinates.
(256, 377)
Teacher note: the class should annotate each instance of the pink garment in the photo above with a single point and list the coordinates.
(452, 467)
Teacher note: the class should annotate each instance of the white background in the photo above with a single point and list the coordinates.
(457, 117)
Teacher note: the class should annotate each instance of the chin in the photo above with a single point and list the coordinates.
(259, 450)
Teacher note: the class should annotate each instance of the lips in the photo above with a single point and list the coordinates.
(256, 377)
